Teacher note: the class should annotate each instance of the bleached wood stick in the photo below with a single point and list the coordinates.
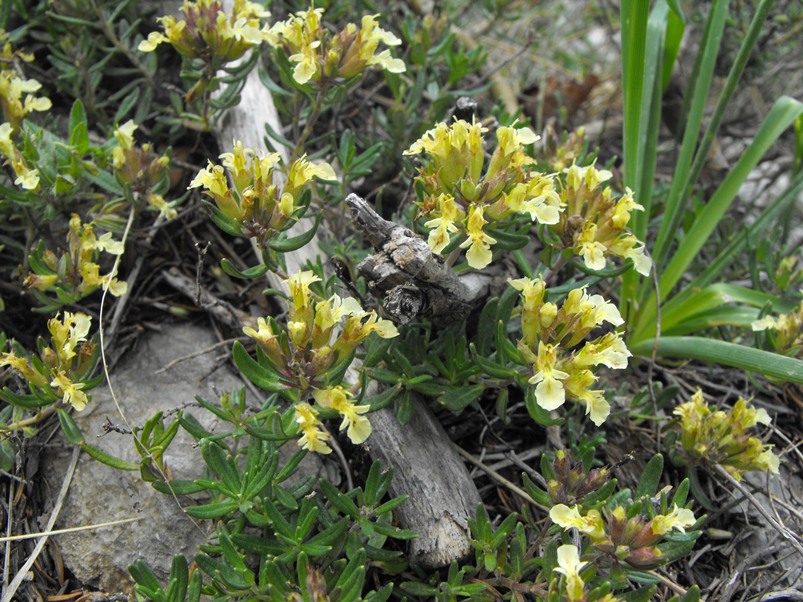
(426, 467)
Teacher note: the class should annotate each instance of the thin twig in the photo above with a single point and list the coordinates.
(784, 532)
(499, 478)
(70, 529)
(9, 518)
(22, 574)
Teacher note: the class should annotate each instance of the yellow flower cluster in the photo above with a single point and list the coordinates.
(319, 334)
(551, 336)
(255, 205)
(356, 425)
(76, 269)
(710, 436)
(460, 197)
(318, 56)
(787, 335)
(632, 540)
(69, 357)
(17, 99)
(17, 95)
(141, 169)
(594, 225)
(207, 32)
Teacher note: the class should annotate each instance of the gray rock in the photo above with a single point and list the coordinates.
(99, 493)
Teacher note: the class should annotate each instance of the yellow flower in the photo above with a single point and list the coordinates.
(6, 145)
(570, 518)
(302, 171)
(28, 179)
(153, 40)
(23, 367)
(550, 393)
(330, 311)
(541, 201)
(624, 206)
(593, 252)
(213, 179)
(511, 139)
(448, 213)
(70, 391)
(341, 400)
(569, 565)
(106, 243)
(125, 134)
(314, 438)
(479, 253)
(768, 461)
(68, 333)
(165, 209)
(306, 63)
(679, 519)
(299, 284)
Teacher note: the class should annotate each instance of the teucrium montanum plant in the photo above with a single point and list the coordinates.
(302, 545)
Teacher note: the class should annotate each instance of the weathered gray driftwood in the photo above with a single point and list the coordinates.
(405, 273)
(426, 467)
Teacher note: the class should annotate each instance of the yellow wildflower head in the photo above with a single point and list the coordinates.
(313, 436)
(342, 401)
(569, 566)
(208, 32)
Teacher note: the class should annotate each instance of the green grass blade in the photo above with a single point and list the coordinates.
(735, 74)
(706, 301)
(728, 354)
(783, 113)
(633, 16)
(740, 317)
(781, 116)
(673, 210)
(675, 28)
(649, 126)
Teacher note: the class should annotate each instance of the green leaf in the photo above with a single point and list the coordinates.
(508, 241)
(144, 577)
(79, 135)
(783, 113)
(247, 274)
(285, 245)
(261, 376)
(8, 455)
(651, 477)
(70, 428)
(179, 577)
(212, 510)
(729, 354)
(383, 399)
(109, 460)
(456, 400)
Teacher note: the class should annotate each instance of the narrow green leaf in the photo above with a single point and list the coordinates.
(633, 17)
(456, 400)
(247, 274)
(781, 116)
(285, 245)
(651, 477)
(69, 427)
(212, 510)
(107, 459)
(729, 354)
(259, 375)
(675, 204)
(79, 135)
